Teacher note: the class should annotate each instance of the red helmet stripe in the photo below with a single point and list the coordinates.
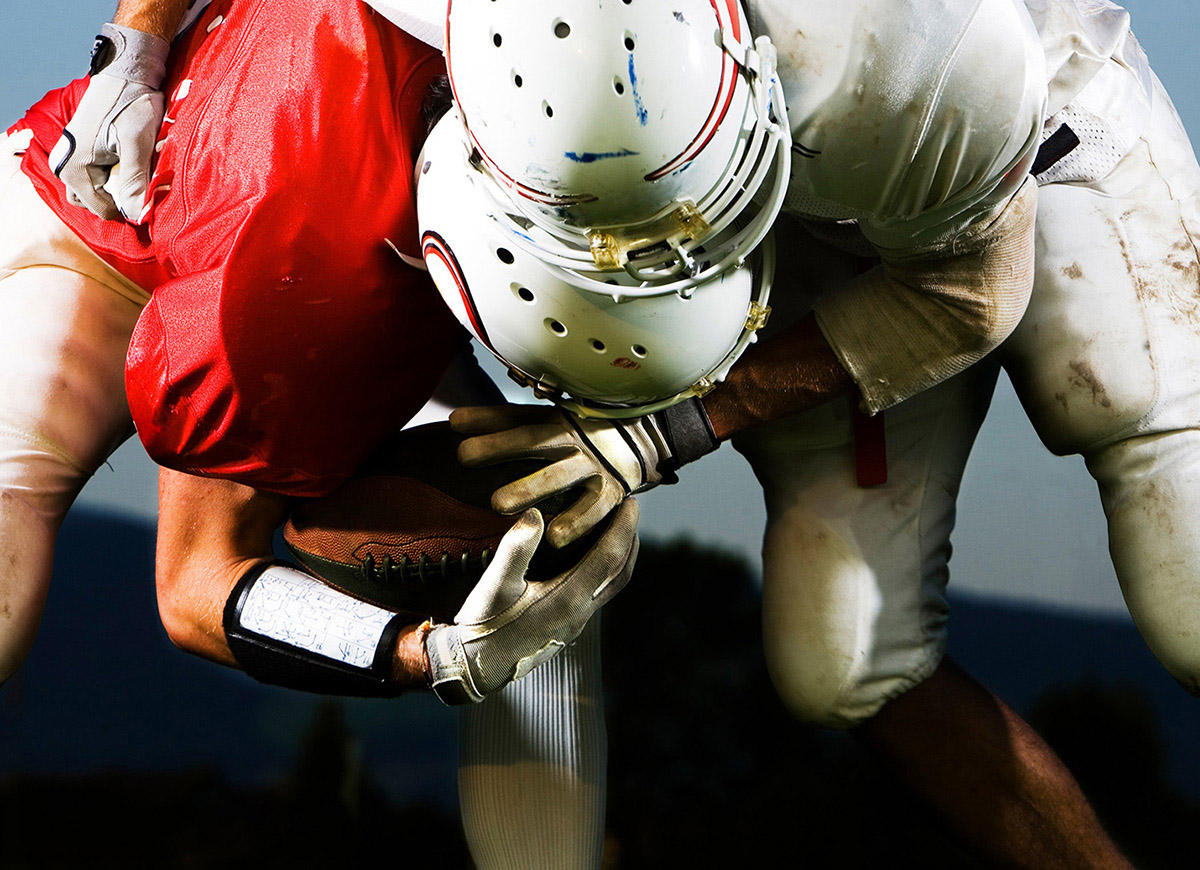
(721, 102)
(433, 245)
(734, 8)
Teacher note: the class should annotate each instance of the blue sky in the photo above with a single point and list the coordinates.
(1030, 525)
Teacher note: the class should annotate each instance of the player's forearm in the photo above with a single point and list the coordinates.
(157, 17)
(212, 535)
(898, 330)
(788, 372)
(410, 664)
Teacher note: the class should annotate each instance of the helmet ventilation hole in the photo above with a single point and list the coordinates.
(504, 255)
(597, 345)
(555, 327)
(524, 293)
(561, 29)
(547, 109)
(516, 79)
(618, 86)
(640, 351)
(497, 39)
(630, 42)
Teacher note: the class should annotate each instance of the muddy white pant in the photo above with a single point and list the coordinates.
(1107, 364)
(65, 321)
(532, 760)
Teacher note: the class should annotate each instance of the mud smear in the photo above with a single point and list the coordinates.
(1086, 377)
(1171, 285)
(1083, 377)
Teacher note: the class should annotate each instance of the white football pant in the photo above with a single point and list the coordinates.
(65, 322)
(1107, 364)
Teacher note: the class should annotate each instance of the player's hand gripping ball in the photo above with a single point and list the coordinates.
(414, 530)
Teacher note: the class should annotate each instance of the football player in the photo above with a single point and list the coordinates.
(953, 167)
(267, 290)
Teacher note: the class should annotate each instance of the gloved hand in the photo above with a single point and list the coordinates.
(117, 121)
(609, 459)
(508, 625)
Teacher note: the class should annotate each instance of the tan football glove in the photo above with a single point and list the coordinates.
(509, 625)
(117, 122)
(608, 459)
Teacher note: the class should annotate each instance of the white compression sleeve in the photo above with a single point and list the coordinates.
(532, 766)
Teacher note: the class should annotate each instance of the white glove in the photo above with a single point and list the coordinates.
(609, 459)
(509, 625)
(117, 121)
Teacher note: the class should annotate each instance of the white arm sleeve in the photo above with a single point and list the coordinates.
(532, 765)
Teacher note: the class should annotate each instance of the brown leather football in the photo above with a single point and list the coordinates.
(414, 530)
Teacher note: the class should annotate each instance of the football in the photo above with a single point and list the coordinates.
(413, 531)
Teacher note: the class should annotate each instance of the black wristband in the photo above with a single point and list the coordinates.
(103, 53)
(688, 431)
(279, 663)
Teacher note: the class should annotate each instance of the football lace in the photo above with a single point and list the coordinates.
(389, 571)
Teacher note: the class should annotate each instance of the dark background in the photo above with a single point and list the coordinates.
(116, 750)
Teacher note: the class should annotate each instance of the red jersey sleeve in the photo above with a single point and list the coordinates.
(123, 246)
(278, 383)
(290, 339)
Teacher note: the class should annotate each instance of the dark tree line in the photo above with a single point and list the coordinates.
(706, 768)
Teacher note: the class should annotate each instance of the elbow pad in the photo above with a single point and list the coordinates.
(925, 316)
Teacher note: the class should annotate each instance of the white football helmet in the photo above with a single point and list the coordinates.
(630, 131)
(597, 209)
(612, 353)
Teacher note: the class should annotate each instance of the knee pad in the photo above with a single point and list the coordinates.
(841, 636)
(37, 486)
(1150, 487)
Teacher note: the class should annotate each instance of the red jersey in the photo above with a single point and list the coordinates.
(284, 338)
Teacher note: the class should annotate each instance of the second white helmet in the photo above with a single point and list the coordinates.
(600, 353)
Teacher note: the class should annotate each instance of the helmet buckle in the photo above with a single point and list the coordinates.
(607, 253)
(540, 389)
(611, 251)
(757, 319)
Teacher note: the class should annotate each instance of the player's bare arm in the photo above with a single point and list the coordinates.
(913, 321)
(156, 17)
(795, 369)
(211, 534)
(224, 597)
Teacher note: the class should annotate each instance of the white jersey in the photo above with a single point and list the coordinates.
(424, 19)
(1079, 38)
(914, 118)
